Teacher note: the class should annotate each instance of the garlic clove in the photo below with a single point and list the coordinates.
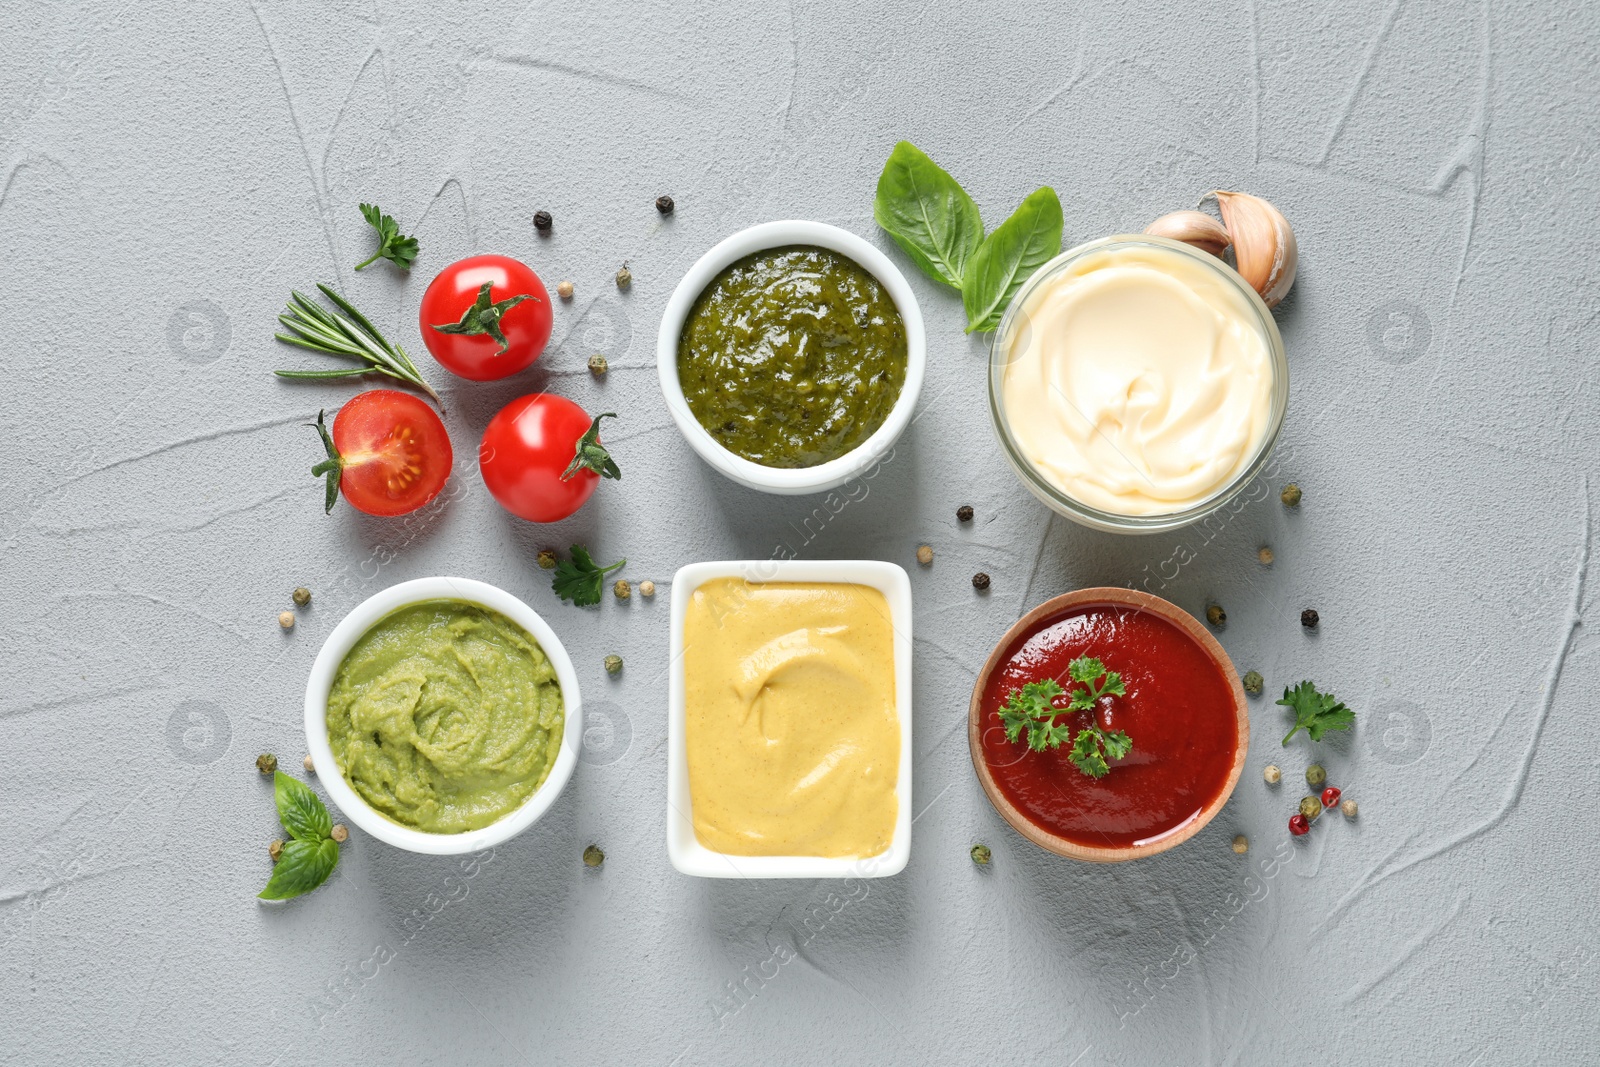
(1192, 228)
(1264, 248)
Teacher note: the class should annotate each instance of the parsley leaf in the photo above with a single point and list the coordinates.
(392, 245)
(581, 579)
(1031, 710)
(1315, 713)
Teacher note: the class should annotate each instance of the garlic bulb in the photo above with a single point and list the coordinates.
(1264, 249)
(1192, 228)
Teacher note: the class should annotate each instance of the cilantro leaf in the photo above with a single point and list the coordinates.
(392, 244)
(1031, 710)
(581, 579)
(1315, 713)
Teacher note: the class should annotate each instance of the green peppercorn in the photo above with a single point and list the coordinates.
(593, 857)
(1215, 615)
(1253, 683)
(275, 849)
(267, 763)
(598, 364)
(613, 664)
(1315, 775)
(301, 597)
(622, 590)
(981, 855)
(1290, 496)
(547, 558)
(1310, 807)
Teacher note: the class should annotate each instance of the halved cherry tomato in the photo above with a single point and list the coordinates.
(389, 453)
(486, 317)
(541, 457)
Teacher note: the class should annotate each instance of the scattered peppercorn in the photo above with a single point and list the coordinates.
(547, 558)
(564, 290)
(301, 597)
(1350, 809)
(964, 513)
(1215, 615)
(624, 277)
(613, 664)
(542, 221)
(1310, 807)
(647, 588)
(267, 763)
(340, 832)
(1299, 825)
(275, 849)
(1241, 844)
(925, 555)
(310, 768)
(1330, 796)
(1315, 775)
(1309, 618)
(598, 364)
(1264, 554)
(665, 205)
(1253, 683)
(622, 590)
(981, 855)
(593, 857)
(980, 581)
(1290, 496)
(286, 619)
(1272, 774)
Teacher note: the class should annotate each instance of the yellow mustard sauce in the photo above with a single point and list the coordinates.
(791, 727)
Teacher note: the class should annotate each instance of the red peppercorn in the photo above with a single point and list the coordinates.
(1299, 824)
(1330, 796)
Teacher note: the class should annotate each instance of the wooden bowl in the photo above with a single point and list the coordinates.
(1132, 600)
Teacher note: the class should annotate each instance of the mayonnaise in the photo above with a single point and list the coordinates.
(1139, 380)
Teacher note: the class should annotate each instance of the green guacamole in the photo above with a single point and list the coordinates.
(445, 716)
(792, 356)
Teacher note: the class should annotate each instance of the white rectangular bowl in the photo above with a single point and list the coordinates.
(687, 853)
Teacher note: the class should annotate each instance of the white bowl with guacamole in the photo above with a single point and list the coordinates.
(443, 716)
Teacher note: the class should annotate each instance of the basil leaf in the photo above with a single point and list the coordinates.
(299, 809)
(928, 214)
(1009, 256)
(302, 867)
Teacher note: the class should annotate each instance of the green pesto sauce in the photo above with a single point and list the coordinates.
(445, 716)
(792, 356)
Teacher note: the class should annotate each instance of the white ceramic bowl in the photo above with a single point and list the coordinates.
(835, 472)
(338, 645)
(688, 855)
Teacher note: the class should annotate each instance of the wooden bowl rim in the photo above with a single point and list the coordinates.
(1136, 600)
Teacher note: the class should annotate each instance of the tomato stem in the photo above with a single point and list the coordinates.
(330, 468)
(590, 454)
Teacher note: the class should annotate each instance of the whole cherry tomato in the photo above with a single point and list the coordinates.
(486, 317)
(541, 457)
(388, 454)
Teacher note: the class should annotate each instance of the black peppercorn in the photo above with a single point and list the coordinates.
(964, 513)
(1309, 618)
(542, 221)
(980, 581)
(664, 204)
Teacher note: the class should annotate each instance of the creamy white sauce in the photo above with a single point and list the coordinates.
(1139, 381)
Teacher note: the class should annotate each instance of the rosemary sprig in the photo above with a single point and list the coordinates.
(348, 336)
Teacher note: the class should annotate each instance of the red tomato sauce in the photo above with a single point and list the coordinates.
(1178, 710)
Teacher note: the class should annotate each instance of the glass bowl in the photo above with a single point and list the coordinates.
(1015, 321)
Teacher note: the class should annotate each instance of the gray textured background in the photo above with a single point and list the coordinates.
(171, 170)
